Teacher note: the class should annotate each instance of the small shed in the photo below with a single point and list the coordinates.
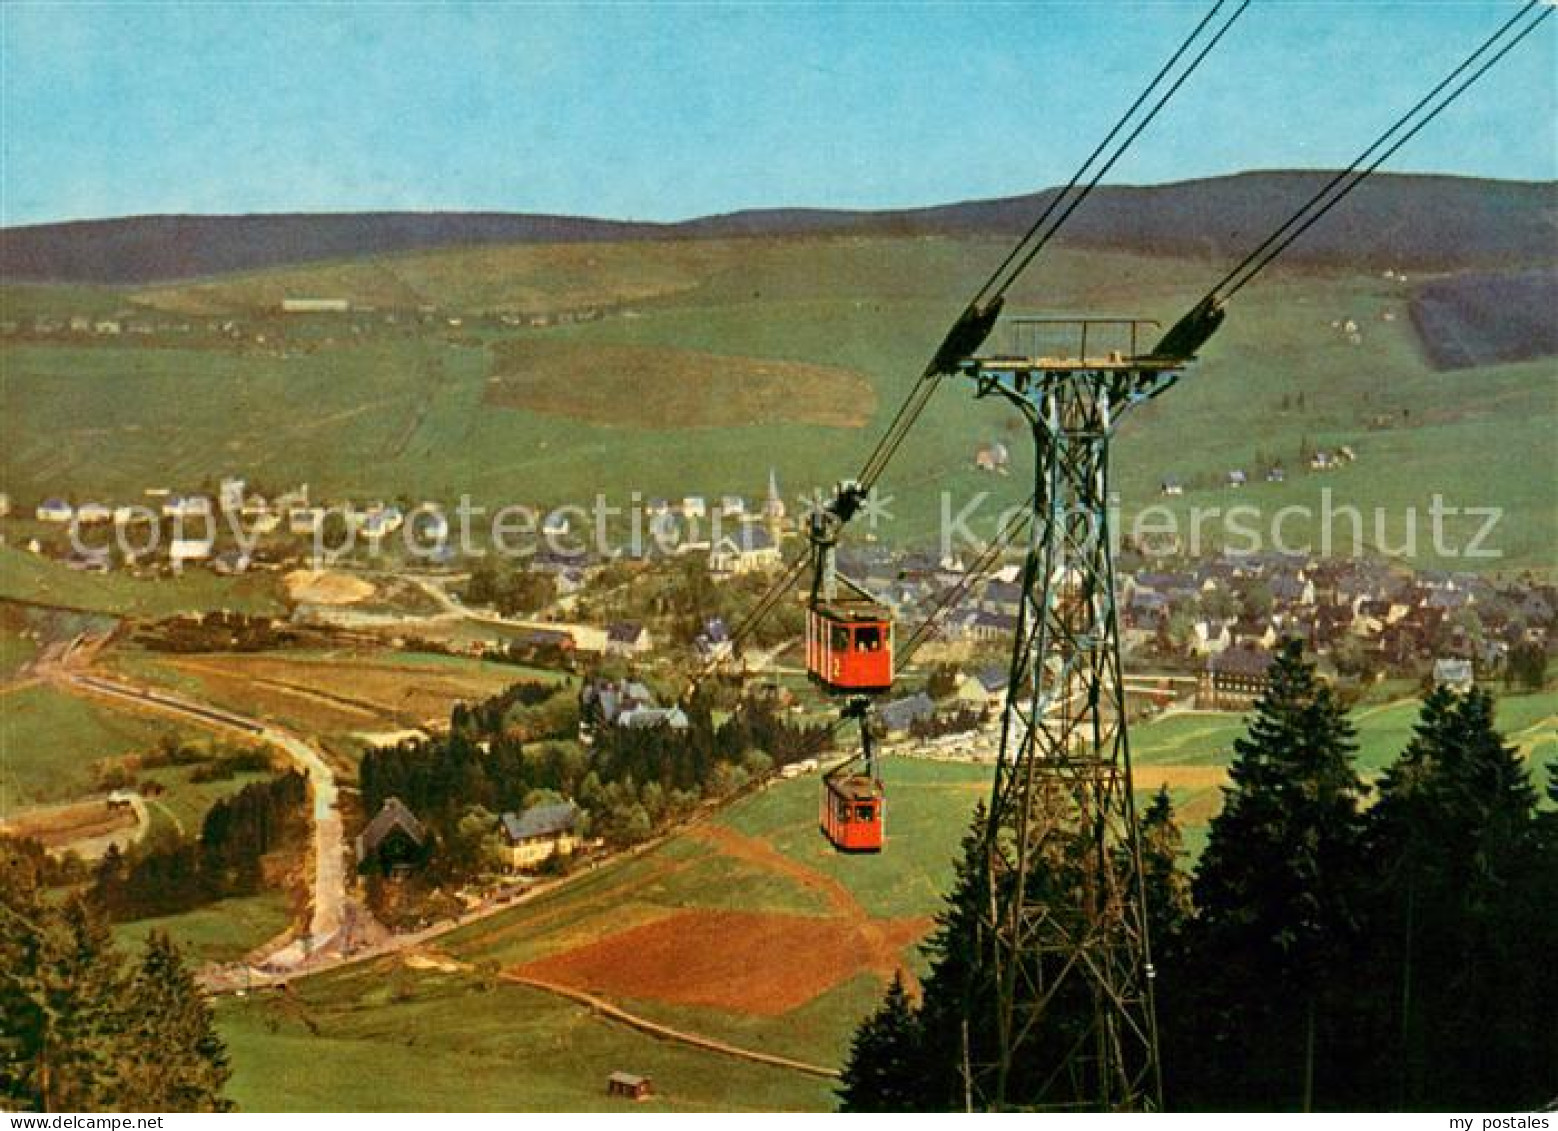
(629, 1086)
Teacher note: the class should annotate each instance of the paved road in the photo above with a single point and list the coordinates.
(330, 879)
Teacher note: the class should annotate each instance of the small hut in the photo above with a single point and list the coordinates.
(629, 1086)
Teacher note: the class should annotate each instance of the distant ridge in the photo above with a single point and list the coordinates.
(1401, 221)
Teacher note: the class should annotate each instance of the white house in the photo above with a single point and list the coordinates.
(627, 638)
(748, 549)
(55, 510)
(186, 506)
(305, 520)
(181, 550)
(539, 833)
(229, 495)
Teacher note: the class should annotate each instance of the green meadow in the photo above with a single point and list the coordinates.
(494, 1046)
(402, 413)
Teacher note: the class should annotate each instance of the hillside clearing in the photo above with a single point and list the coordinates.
(643, 386)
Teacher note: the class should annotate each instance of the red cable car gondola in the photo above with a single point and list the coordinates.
(849, 651)
(849, 646)
(854, 811)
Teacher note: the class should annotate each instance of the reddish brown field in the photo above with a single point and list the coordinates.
(756, 963)
(739, 961)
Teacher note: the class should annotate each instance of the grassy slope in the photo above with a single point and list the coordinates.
(219, 932)
(49, 740)
(29, 577)
(524, 1050)
(454, 1046)
(407, 415)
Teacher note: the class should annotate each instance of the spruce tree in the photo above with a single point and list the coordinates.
(1276, 895)
(956, 996)
(61, 1021)
(1456, 852)
(1165, 886)
(959, 1014)
(77, 1031)
(884, 1071)
(173, 1059)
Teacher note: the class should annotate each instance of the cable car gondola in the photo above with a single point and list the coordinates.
(849, 634)
(853, 815)
(854, 812)
(849, 651)
(849, 646)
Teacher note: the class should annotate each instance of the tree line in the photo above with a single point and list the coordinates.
(85, 1027)
(630, 782)
(1327, 953)
(175, 873)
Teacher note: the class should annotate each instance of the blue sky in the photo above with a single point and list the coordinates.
(674, 110)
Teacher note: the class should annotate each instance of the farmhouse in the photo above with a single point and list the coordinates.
(609, 700)
(1454, 674)
(55, 510)
(186, 506)
(305, 520)
(182, 550)
(714, 642)
(992, 457)
(993, 627)
(993, 680)
(901, 714)
(393, 843)
(540, 833)
(229, 494)
(627, 638)
(647, 718)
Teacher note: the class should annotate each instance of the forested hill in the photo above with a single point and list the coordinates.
(1401, 221)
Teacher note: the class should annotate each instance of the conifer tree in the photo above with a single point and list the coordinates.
(1276, 896)
(885, 1067)
(173, 1059)
(953, 1025)
(1165, 886)
(1456, 852)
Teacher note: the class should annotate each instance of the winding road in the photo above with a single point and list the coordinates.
(329, 888)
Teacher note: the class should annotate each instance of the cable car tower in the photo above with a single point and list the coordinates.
(1062, 789)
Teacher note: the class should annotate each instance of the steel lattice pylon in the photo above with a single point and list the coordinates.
(1064, 951)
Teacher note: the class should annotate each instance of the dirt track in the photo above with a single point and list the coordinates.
(655, 1029)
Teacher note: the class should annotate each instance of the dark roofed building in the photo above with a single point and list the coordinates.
(1234, 679)
(900, 714)
(393, 843)
(627, 638)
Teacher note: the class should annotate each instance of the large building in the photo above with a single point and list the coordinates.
(540, 833)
